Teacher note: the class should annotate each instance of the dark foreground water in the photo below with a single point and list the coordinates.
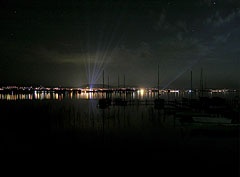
(132, 134)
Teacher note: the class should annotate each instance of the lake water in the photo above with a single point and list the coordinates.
(73, 122)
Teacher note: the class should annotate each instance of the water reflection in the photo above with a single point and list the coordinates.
(78, 124)
(139, 95)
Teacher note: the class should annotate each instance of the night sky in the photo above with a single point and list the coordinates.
(70, 42)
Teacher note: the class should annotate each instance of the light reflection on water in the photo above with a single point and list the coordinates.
(117, 126)
(141, 95)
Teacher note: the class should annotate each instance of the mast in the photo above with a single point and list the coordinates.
(191, 81)
(201, 82)
(191, 84)
(158, 80)
(205, 85)
(118, 81)
(103, 78)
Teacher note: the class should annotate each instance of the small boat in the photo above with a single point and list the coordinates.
(218, 120)
(190, 117)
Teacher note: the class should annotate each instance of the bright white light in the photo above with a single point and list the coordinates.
(142, 91)
(174, 91)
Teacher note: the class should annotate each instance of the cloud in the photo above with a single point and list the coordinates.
(180, 36)
(218, 20)
(182, 25)
(224, 20)
(166, 25)
(222, 38)
(160, 24)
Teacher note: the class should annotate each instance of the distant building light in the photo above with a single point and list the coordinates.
(174, 91)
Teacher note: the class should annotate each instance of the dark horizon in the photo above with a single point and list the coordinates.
(114, 86)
